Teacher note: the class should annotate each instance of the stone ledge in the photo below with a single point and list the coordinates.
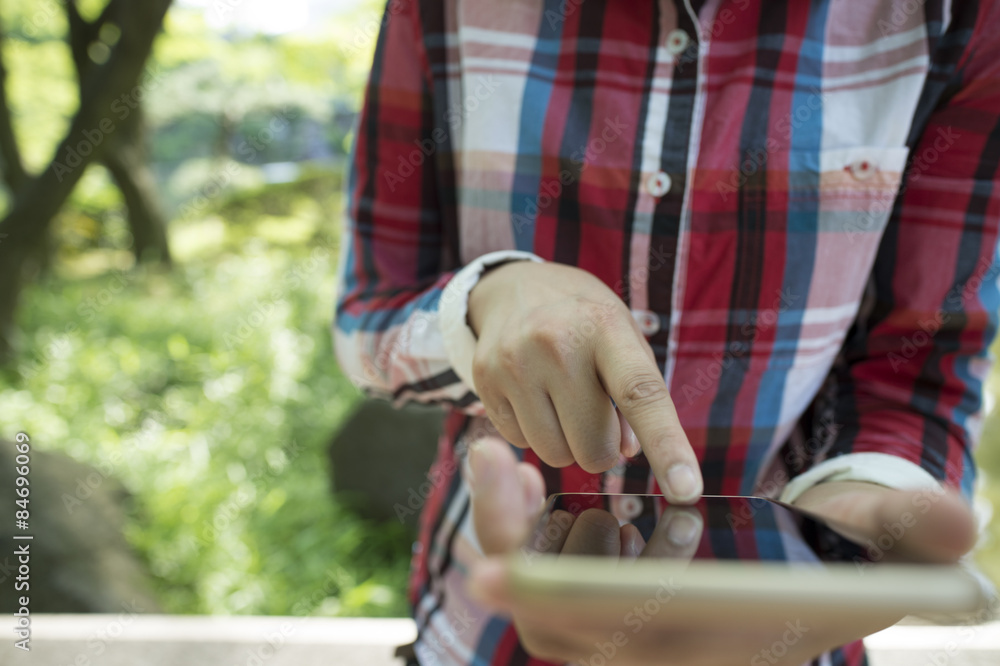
(912, 645)
(195, 640)
(189, 640)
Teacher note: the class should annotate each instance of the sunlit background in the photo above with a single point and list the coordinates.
(203, 393)
(208, 388)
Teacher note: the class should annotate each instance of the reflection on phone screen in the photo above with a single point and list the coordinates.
(715, 528)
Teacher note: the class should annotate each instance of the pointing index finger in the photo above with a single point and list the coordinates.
(635, 384)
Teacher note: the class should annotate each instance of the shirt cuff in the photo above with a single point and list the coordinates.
(459, 340)
(879, 468)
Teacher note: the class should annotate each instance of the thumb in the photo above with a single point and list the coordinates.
(506, 496)
(922, 525)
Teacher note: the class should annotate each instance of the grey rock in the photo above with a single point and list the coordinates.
(380, 458)
(79, 559)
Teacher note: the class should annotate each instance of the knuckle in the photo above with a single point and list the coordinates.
(481, 367)
(503, 414)
(482, 370)
(554, 456)
(510, 360)
(542, 329)
(550, 342)
(502, 418)
(554, 339)
(489, 399)
(505, 423)
(598, 460)
(512, 434)
(607, 316)
(639, 390)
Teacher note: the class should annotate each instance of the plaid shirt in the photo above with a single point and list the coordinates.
(797, 200)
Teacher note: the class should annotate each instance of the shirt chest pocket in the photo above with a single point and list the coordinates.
(839, 202)
(844, 191)
(793, 256)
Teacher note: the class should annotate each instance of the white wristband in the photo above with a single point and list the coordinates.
(459, 340)
(879, 468)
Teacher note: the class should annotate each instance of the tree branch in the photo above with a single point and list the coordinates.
(83, 33)
(13, 167)
(79, 36)
(45, 195)
(124, 156)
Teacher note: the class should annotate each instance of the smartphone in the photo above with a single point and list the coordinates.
(751, 563)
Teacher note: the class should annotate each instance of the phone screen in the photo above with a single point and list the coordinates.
(715, 528)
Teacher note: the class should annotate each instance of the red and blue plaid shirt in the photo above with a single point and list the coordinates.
(798, 201)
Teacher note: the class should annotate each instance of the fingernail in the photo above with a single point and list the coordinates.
(682, 483)
(630, 443)
(683, 530)
(633, 549)
(479, 464)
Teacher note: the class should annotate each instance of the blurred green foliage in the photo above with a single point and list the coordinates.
(210, 391)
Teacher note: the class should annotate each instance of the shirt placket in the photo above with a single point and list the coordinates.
(669, 140)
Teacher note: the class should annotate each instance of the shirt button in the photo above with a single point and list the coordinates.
(658, 184)
(862, 169)
(649, 322)
(677, 42)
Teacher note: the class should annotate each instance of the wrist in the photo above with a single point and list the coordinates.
(459, 339)
(483, 296)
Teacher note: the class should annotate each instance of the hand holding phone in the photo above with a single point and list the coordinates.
(624, 579)
(728, 580)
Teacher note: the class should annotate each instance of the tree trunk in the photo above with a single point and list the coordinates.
(14, 176)
(135, 179)
(127, 162)
(41, 198)
(13, 168)
(125, 153)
